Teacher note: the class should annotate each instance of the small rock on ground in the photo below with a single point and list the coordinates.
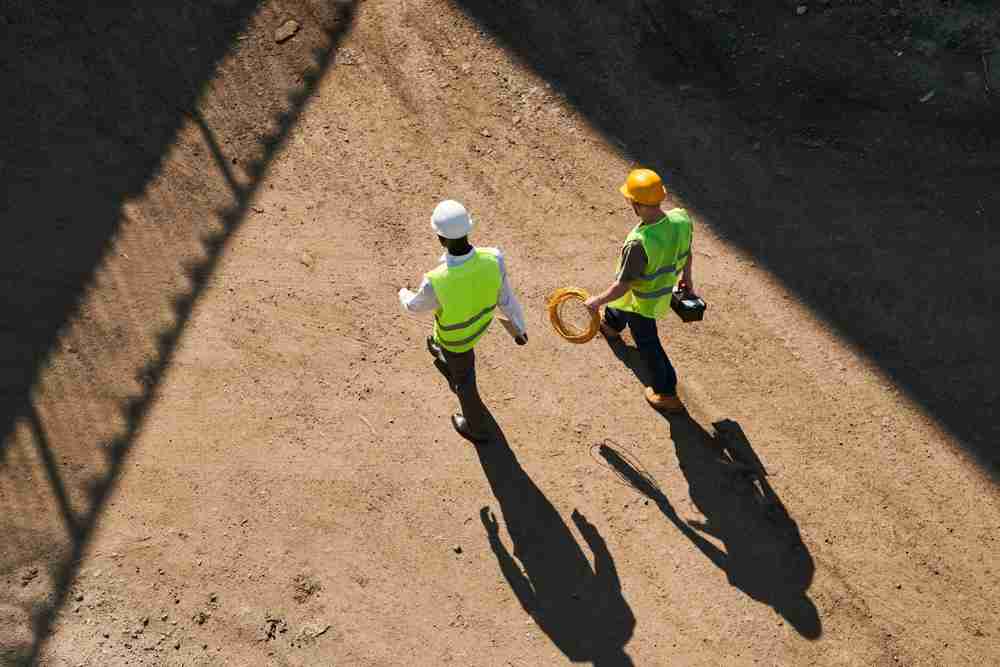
(286, 31)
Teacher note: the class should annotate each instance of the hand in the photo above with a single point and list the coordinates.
(489, 522)
(593, 304)
(522, 339)
(686, 286)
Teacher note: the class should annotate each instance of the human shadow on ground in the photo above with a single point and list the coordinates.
(763, 553)
(582, 610)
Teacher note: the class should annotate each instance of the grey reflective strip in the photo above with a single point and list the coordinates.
(654, 294)
(446, 342)
(666, 269)
(469, 322)
(658, 272)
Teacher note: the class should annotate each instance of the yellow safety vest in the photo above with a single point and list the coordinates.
(467, 296)
(668, 248)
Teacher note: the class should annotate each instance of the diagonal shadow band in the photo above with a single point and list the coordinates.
(867, 229)
(80, 524)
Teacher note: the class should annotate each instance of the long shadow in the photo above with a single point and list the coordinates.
(582, 610)
(101, 92)
(763, 554)
(134, 74)
(878, 215)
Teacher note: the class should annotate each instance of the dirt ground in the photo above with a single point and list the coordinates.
(224, 443)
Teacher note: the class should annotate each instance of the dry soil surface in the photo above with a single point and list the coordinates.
(237, 451)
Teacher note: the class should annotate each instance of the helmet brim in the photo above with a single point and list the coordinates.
(452, 235)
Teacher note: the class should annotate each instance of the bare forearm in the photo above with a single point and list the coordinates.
(616, 291)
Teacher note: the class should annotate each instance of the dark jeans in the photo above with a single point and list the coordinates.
(460, 369)
(664, 377)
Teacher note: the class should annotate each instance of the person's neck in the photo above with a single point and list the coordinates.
(460, 250)
(652, 217)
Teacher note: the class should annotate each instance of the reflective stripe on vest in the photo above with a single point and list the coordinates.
(468, 323)
(667, 244)
(467, 297)
(666, 269)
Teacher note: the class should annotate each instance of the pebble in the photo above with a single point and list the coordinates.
(164, 617)
(286, 31)
(306, 259)
(348, 57)
(177, 646)
(79, 597)
(457, 549)
(801, 9)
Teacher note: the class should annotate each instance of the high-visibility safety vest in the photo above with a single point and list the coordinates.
(668, 248)
(467, 296)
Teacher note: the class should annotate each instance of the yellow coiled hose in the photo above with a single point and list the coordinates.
(567, 312)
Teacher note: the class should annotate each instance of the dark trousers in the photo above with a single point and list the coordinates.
(460, 370)
(647, 339)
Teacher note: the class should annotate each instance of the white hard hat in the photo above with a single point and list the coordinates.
(451, 220)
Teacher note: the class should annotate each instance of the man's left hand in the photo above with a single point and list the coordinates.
(593, 304)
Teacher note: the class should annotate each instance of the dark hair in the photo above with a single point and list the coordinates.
(456, 246)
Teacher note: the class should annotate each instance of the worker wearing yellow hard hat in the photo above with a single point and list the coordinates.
(655, 258)
(463, 292)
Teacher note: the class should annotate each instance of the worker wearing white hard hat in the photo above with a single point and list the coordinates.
(463, 292)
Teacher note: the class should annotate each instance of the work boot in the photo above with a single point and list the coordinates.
(667, 403)
(461, 425)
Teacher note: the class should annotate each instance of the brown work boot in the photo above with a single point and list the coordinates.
(664, 402)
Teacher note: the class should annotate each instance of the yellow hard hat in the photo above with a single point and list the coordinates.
(643, 186)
